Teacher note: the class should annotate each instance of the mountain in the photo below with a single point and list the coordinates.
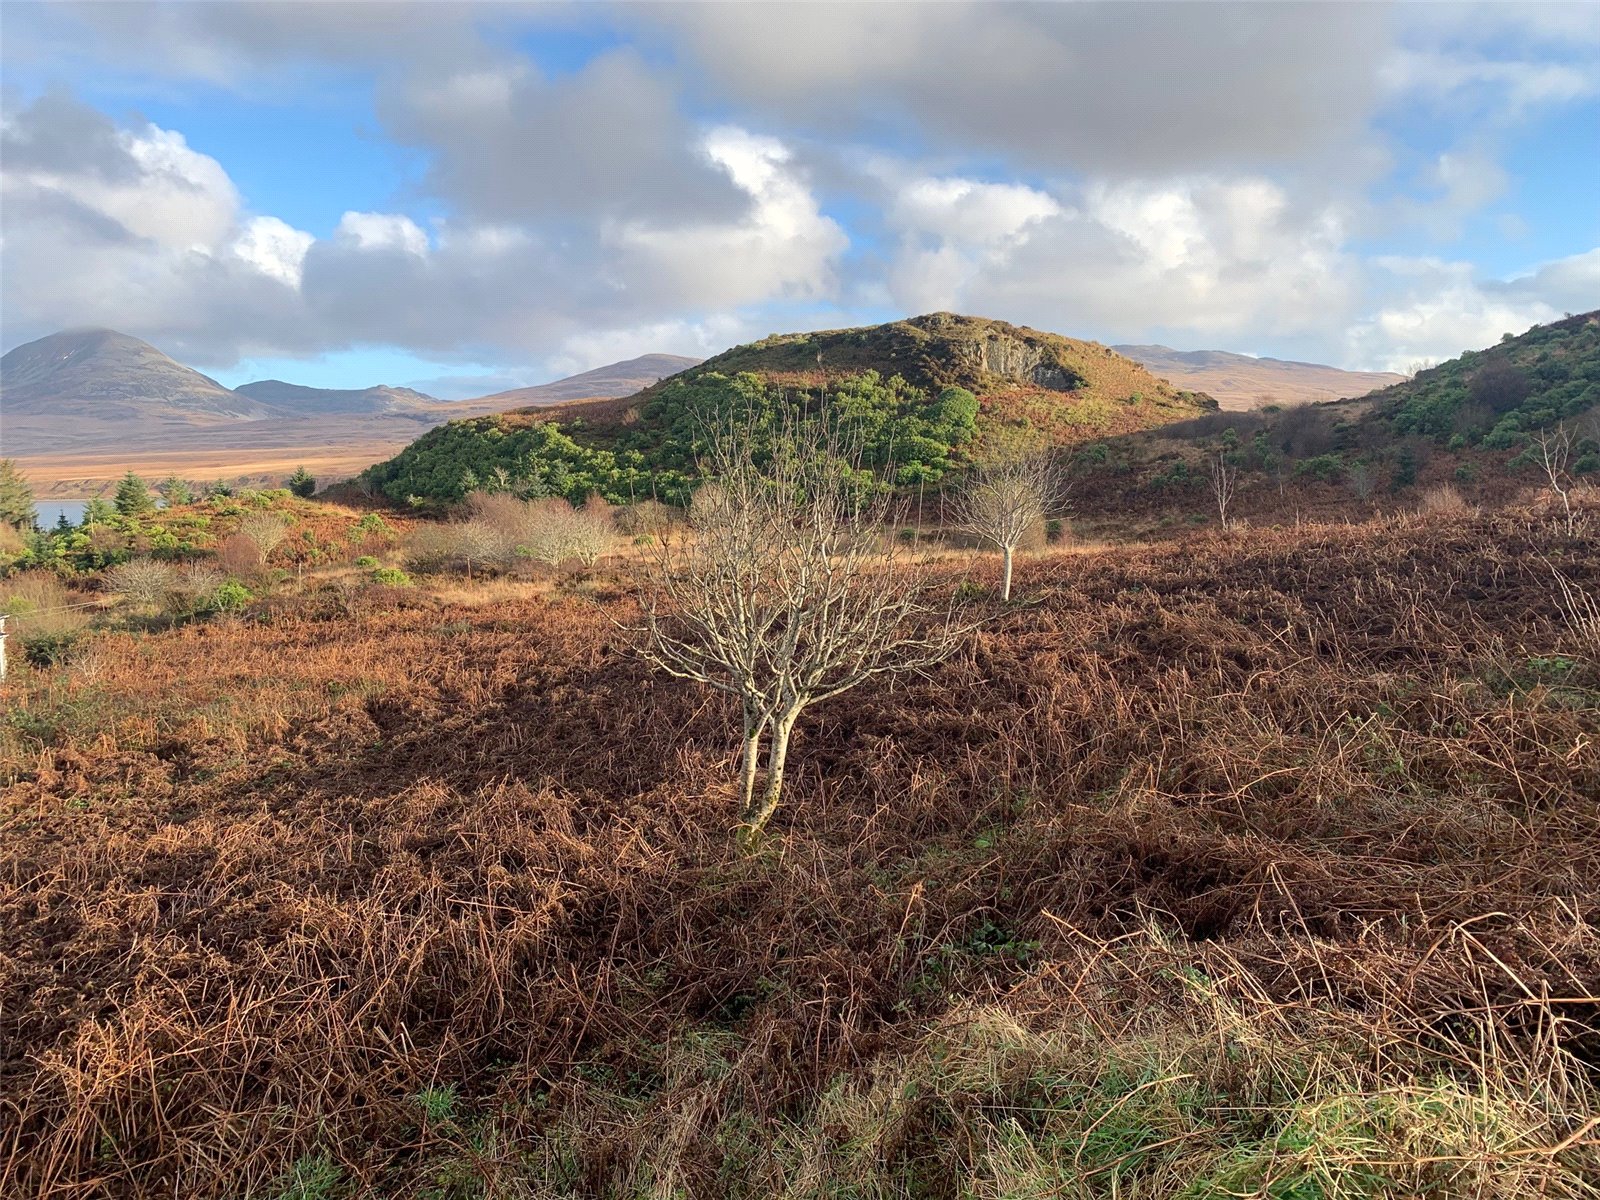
(946, 350)
(1495, 396)
(291, 398)
(930, 393)
(618, 379)
(1239, 381)
(102, 375)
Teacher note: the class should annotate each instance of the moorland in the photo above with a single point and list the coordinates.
(354, 847)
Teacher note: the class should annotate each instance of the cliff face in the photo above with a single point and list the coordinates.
(1020, 361)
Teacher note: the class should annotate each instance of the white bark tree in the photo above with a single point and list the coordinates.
(1001, 502)
(1552, 450)
(787, 590)
(1224, 479)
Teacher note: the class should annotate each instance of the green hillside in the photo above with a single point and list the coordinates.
(925, 395)
(1496, 396)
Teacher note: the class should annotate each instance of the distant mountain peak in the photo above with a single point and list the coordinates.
(1241, 381)
(106, 375)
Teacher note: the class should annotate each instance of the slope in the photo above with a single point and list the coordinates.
(929, 394)
(617, 379)
(102, 375)
(292, 398)
(1239, 381)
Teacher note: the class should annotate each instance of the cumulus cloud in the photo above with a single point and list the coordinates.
(1217, 257)
(708, 172)
(1438, 308)
(132, 228)
(781, 247)
(382, 231)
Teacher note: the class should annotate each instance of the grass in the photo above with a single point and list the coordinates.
(1260, 864)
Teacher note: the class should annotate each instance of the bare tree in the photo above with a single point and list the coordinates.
(1224, 479)
(1552, 449)
(145, 583)
(265, 531)
(1361, 481)
(1002, 502)
(785, 591)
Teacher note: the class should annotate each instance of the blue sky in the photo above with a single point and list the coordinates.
(470, 196)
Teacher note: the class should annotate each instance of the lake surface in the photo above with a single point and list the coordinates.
(50, 511)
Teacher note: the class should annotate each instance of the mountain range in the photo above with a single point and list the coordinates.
(81, 406)
(1240, 381)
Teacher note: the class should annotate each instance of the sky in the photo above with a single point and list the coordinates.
(463, 197)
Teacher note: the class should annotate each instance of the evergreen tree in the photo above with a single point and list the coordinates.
(97, 512)
(220, 488)
(133, 497)
(63, 524)
(16, 497)
(302, 483)
(175, 491)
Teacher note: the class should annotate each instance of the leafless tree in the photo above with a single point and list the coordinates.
(265, 531)
(1552, 450)
(1224, 479)
(1001, 503)
(145, 583)
(1361, 482)
(785, 591)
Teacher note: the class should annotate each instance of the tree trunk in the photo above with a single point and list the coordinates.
(1005, 588)
(747, 765)
(777, 751)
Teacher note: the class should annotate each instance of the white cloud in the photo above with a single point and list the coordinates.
(275, 248)
(1438, 308)
(1218, 257)
(382, 231)
(781, 246)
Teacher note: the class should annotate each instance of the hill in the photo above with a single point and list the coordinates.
(102, 375)
(1239, 866)
(617, 379)
(928, 394)
(291, 398)
(80, 408)
(1498, 395)
(1239, 381)
(1460, 433)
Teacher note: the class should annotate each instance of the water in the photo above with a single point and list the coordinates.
(50, 511)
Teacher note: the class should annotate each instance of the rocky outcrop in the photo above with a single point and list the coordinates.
(1019, 359)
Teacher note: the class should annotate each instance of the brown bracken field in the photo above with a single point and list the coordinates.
(1262, 864)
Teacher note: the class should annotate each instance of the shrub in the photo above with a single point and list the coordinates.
(391, 577)
(366, 560)
(231, 596)
(645, 517)
(1443, 499)
(49, 648)
(1326, 467)
(45, 623)
(195, 586)
(238, 555)
(265, 530)
(144, 583)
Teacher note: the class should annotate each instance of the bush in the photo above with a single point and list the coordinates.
(195, 586)
(1443, 499)
(231, 596)
(391, 577)
(266, 531)
(366, 560)
(144, 583)
(1326, 467)
(50, 648)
